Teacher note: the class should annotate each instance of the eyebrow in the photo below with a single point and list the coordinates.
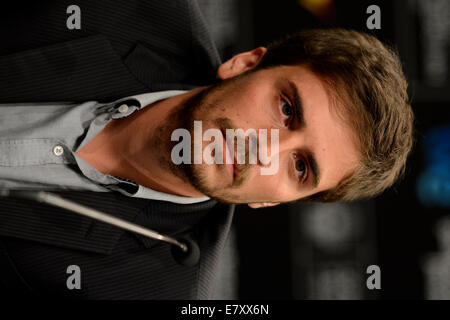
(298, 104)
(314, 168)
(299, 114)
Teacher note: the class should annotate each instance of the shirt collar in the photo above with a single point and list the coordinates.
(126, 186)
(141, 101)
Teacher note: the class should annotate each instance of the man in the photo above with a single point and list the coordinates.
(337, 100)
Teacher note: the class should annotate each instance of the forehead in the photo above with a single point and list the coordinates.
(325, 133)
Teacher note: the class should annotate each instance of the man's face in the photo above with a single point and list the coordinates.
(264, 99)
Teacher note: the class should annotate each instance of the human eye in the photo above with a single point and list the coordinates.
(286, 110)
(300, 168)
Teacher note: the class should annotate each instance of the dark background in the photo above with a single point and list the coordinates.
(322, 251)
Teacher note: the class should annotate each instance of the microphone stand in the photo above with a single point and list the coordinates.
(185, 251)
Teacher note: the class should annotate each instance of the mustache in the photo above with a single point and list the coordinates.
(240, 153)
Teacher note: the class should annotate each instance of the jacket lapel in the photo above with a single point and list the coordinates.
(89, 69)
(57, 227)
(168, 71)
(77, 70)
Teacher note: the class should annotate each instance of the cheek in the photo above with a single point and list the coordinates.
(254, 115)
(250, 100)
(275, 186)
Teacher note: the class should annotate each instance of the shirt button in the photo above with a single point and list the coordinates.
(58, 151)
(123, 108)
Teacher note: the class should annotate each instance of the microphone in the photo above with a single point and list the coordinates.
(188, 257)
(185, 251)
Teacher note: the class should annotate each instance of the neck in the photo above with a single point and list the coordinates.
(127, 148)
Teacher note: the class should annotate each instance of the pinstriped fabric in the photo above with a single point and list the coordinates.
(174, 50)
(78, 70)
(218, 235)
(53, 226)
(117, 265)
(125, 47)
(131, 272)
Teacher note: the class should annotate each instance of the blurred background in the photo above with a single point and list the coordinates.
(322, 251)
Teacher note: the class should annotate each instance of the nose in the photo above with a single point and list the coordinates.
(288, 141)
(270, 145)
(281, 145)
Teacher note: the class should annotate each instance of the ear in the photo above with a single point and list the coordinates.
(240, 63)
(257, 205)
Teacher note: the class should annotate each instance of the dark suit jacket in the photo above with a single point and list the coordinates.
(123, 48)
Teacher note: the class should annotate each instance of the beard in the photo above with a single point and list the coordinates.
(194, 109)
